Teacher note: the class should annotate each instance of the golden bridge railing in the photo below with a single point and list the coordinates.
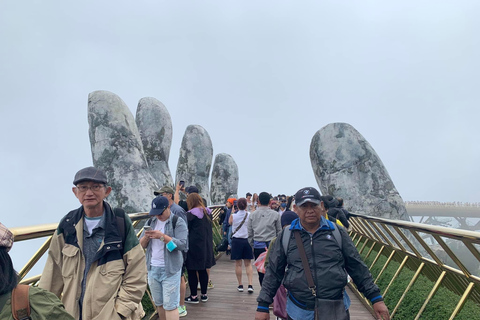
(46, 230)
(447, 257)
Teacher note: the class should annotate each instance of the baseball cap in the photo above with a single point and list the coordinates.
(6, 237)
(191, 189)
(159, 204)
(90, 174)
(307, 194)
(164, 189)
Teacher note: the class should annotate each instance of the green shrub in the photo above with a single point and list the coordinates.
(440, 307)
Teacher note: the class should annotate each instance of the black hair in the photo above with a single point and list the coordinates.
(8, 276)
(264, 198)
(248, 194)
(242, 203)
(326, 200)
(340, 202)
(289, 201)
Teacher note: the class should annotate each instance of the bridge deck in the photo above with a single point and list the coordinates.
(225, 302)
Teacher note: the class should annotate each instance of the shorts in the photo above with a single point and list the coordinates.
(241, 249)
(165, 290)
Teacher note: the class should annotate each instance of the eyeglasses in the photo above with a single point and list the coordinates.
(94, 188)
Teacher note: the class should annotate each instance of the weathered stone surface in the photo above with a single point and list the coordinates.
(195, 159)
(224, 180)
(155, 127)
(345, 165)
(117, 149)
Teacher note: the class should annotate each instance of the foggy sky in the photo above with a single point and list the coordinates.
(260, 76)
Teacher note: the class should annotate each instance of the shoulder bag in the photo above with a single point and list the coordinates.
(241, 224)
(325, 309)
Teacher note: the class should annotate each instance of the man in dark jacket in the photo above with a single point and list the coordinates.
(329, 262)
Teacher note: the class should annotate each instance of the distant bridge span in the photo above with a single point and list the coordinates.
(442, 209)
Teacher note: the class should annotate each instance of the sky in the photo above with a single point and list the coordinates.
(260, 76)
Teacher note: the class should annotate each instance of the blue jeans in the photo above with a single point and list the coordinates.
(297, 313)
(165, 290)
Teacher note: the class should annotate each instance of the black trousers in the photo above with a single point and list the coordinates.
(193, 281)
(256, 253)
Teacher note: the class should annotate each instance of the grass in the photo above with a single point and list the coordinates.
(440, 307)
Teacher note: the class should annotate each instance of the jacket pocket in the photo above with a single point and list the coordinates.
(71, 258)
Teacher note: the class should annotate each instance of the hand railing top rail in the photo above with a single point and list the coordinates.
(442, 231)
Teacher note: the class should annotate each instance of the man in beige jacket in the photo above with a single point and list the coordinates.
(95, 263)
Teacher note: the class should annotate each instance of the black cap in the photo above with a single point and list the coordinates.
(90, 174)
(308, 194)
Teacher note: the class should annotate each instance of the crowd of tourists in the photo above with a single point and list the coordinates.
(99, 268)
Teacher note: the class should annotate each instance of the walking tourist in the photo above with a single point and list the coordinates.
(95, 262)
(328, 261)
(241, 249)
(263, 225)
(165, 238)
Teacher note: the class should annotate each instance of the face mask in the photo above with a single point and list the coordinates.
(283, 205)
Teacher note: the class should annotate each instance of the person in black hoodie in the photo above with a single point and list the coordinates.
(333, 212)
(340, 206)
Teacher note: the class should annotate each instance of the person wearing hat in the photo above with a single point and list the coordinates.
(44, 305)
(168, 193)
(331, 260)
(95, 262)
(165, 238)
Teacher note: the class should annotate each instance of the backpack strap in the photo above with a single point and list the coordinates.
(174, 221)
(338, 237)
(120, 216)
(21, 303)
(286, 238)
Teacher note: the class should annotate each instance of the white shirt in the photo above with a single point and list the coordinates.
(237, 219)
(158, 246)
(91, 223)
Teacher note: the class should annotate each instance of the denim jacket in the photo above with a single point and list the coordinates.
(174, 259)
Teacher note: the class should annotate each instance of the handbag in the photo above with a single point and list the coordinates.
(260, 262)
(280, 303)
(325, 309)
(223, 246)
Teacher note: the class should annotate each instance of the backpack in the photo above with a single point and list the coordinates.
(21, 303)
(287, 232)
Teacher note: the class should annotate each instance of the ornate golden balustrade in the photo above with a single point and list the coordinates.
(447, 257)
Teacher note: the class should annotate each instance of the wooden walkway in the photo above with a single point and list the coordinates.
(225, 302)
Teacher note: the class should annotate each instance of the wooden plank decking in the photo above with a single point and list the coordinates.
(225, 302)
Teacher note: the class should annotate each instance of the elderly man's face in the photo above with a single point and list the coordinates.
(91, 194)
(310, 213)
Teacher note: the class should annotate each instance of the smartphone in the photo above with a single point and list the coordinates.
(235, 207)
(147, 228)
(182, 183)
